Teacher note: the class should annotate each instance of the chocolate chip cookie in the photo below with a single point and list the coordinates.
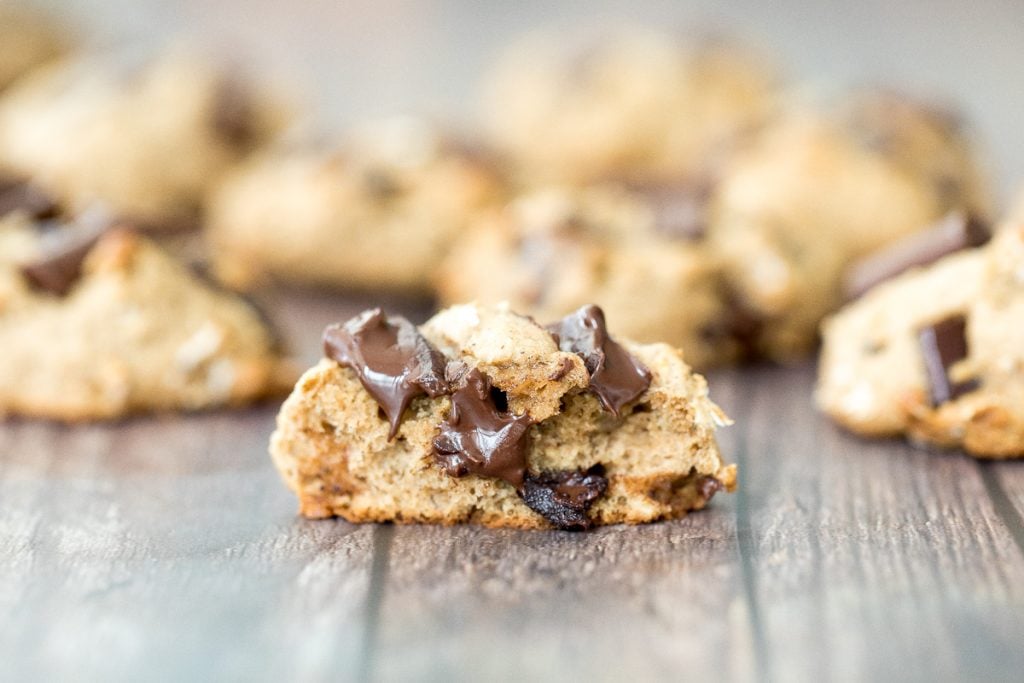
(639, 254)
(145, 140)
(28, 39)
(96, 322)
(936, 352)
(376, 212)
(819, 191)
(630, 104)
(484, 416)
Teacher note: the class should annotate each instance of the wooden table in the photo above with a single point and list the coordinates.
(166, 548)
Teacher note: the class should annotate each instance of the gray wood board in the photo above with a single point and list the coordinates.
(166, 548)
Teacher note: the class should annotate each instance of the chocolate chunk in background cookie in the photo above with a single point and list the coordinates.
(616, 377)
(954, 232)
(24, 195)
(707, 487)
(63, 252)
(564, 498)
(943, 344)
(680, 210)
(232, 116)
(477, 437)
(393, 361)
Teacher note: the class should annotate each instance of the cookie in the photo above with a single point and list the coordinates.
(96, 322)
(632, 104)
(377, 212)
(483, 416)
(28, 39)
(147, 141)
(815, 194)
(640, 255)
(935, 353)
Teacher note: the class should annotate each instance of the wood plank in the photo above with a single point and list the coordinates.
(167, 548)
(646, 603)
(873, 560)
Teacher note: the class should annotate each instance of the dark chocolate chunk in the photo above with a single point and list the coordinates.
(738, 324)
(59, 265)
(707, 487)
(232, 117)
(564, 498)
(22, 195)
(394, 362)
(563, 369)
(616, 377)
(954, 232)
(477, 437)
(944, 344)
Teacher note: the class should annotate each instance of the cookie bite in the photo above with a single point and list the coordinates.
(640, 254)
(96, 322)
(483, 416)
(377, 211)
(935, 353)
(28, 39)
(816, 193)
(146, 140)
(630, 104)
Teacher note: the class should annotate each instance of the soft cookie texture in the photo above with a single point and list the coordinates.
(377, 212)
(96, 322)
(27, 39)
(637, 254)
(817, 193)
(632, 103)
(576, 429)
(146, 140)
(936, 353)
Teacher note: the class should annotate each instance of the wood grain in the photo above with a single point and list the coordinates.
(166, 548)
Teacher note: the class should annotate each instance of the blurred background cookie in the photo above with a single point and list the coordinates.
(375, 212)
(820, 189)
(552, 250)
(628, 104)
(145, 139)
(28, 39)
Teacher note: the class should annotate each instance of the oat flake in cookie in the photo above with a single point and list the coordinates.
(936, 353)
(518, 432)
(97, 322)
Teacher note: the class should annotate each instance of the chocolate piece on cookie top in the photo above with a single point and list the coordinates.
(23, 195)
(954, 232)
(479, 436)
(393, 361)
(564, 498)
(616, 377)
(943, 344)
(63, 251)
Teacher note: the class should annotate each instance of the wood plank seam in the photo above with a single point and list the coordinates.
(747, 550)
(1004, 508)
(382, 537)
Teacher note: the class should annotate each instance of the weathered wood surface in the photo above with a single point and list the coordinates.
(166, 548)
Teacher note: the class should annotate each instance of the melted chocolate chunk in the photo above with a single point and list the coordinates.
(564, 498)
(478, 438)
(22, 195)
(64, 250)
(395, 364)
(954, 232)
(944, 344)
(616, 377)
